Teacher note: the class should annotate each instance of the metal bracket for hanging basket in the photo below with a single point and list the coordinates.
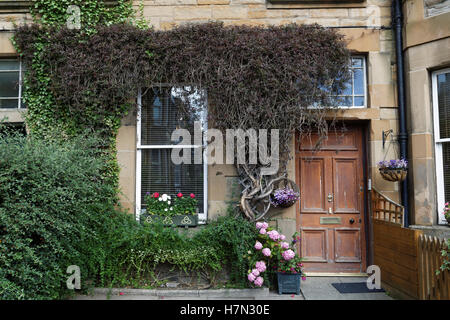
(386, 134)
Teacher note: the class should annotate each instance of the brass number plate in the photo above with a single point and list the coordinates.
(330, 220)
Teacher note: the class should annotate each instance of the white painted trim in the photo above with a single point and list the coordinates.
(138, 156)
(438, 148)
(203, 216)
(19, 94)
(175, 146)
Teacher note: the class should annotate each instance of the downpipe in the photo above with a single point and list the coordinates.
(397, 24)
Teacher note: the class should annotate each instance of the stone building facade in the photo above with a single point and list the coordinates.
(366, 26)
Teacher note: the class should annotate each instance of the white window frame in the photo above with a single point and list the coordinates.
(364, 70)
(440, 192)
(19, 98)
(202, 216)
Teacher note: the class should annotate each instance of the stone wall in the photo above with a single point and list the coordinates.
(427, 48)
(366, 27)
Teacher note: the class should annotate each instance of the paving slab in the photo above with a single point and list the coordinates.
(176, 294)
(320, 288)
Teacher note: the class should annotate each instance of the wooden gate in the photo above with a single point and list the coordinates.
(408, 259)
(432, 286)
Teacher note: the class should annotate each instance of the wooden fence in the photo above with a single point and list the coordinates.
(408, 259)
(432, 286)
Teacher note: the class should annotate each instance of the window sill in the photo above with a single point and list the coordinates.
(307, 4)
(15, 6)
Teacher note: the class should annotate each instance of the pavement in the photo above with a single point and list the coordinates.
(313, 288)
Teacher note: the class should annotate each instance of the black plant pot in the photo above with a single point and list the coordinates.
(289, 283)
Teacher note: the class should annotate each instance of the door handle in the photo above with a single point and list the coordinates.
(352, 220)
(330, 197)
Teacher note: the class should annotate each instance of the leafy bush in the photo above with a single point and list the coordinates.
(53, 206)
(131, 252)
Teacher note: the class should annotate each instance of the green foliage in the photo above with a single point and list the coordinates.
(93, 12)
(131, 252)
(53, 204)
(446, 259)
(168, 206)
(44, 118)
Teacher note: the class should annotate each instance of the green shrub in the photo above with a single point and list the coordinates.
(53, 206)
(132, 252)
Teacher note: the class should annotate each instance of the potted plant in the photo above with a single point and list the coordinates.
(275, 257)
(393, 170)
(447, 212)
(290, 270)
(179, 210)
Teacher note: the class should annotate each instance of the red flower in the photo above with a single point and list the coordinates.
(156, 195)
(179, 195)
(192, 195)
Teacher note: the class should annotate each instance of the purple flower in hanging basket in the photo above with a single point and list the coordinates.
(400, 164)
(284, 197)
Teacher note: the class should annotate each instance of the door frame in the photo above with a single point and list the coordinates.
(368, 234)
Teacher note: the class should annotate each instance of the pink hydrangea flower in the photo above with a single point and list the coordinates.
(282, 237)
(255, 272)
(266, 252)
(259, 225)
(262, 231)
(259, 281)
(288, 254)
(265, 225)
(274, 235)
(261, 266)
(285, 245)
(251, 277)
(258, 245)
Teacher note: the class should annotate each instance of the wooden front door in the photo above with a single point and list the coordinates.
(331, 211)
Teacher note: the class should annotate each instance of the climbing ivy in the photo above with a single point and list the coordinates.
(45, 118)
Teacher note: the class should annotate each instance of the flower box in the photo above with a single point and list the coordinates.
(178, 220)
(288, 283)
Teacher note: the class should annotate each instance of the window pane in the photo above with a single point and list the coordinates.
(9, 103)
(358, 81)
(443, 88)
(9, 65)
(159, 174)
(357, 62)
(348, 88)
(345, 101)
(359, 101)
(163, 111)
(9, 84)
(446, 169)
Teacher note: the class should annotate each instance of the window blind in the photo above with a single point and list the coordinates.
(162, 111)
(443, 93)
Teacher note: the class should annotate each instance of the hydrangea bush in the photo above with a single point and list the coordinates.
(272, 253)
(447, 210)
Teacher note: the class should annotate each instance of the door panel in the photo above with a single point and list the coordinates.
(347, 245)
(345, 189)
(314, 241)
(331, 211)
(314, 192)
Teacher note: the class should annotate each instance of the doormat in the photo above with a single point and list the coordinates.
(354, 287)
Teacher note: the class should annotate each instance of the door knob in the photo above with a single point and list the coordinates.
(330, 197)
(352, 220)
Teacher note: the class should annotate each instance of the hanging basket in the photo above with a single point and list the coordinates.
(393, 175)
(283, 184)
